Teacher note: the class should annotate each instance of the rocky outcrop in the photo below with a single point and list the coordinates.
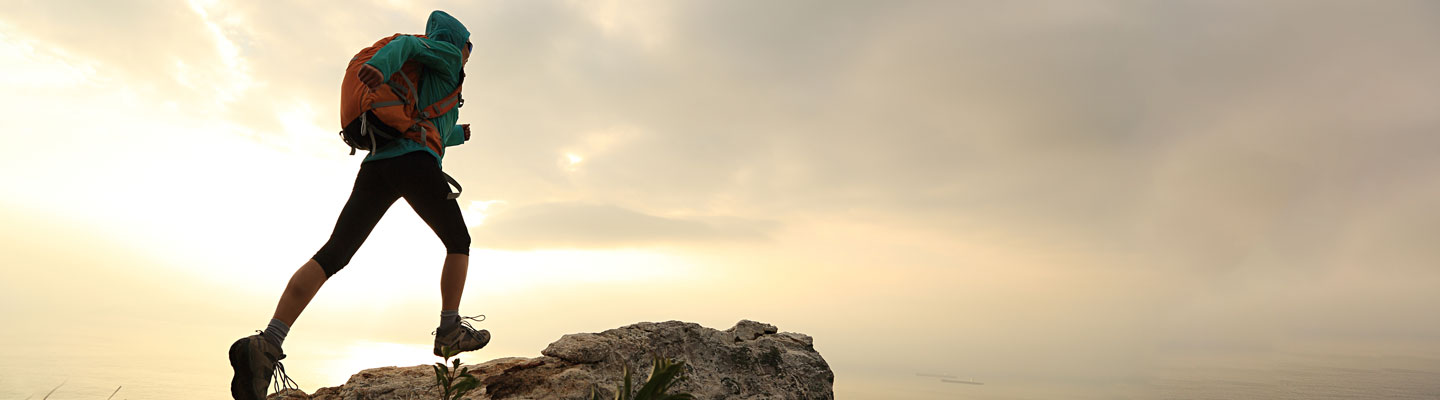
(751, 360)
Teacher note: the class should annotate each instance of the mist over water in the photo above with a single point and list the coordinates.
(1268, 376)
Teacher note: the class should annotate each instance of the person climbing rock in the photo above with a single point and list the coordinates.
(400, 100)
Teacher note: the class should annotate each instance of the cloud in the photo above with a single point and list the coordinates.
(233, 61)
(581, 225)
(1206, 137)
(1194, 132)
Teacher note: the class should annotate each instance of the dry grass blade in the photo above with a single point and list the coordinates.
(52, 391)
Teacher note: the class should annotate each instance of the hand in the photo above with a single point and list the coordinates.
(466, 128)
(370, 76)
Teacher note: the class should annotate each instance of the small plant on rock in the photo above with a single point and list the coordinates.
(453, 381)
(666, 373)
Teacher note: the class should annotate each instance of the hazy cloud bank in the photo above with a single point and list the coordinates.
(582, 225)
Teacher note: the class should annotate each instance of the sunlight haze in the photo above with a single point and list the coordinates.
(1059, 199)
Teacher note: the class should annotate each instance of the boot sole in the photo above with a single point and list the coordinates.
(439, 354)
(240, 361)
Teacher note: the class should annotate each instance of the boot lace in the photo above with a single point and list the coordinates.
(279, 380)
(466, 324)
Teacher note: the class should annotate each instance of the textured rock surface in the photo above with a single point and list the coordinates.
(751, 360)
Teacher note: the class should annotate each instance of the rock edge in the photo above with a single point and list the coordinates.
(751, 360)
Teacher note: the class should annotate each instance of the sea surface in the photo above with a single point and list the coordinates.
(31, 374)
(1228, 376)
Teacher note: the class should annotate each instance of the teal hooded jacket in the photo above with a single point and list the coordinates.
(439, 53)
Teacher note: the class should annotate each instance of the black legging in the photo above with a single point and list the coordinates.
(416, 177)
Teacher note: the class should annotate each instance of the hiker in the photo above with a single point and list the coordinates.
(402, 105)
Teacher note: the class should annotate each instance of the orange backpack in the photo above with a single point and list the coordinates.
(391, 110)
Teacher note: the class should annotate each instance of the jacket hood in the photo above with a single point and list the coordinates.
(444, 27)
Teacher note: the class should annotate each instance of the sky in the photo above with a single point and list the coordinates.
(1052, 197)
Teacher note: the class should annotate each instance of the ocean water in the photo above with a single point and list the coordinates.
(32, 372)
(1305, 376)
(1265, 375)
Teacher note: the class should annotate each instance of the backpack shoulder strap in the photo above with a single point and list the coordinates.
(444, 105)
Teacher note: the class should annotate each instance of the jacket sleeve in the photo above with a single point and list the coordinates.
(440, 56)
(456, 138)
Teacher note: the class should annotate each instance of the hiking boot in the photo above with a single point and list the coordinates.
(255, 360)
(460, 337)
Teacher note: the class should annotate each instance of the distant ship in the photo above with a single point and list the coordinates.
(950, 379)
(960, 381)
